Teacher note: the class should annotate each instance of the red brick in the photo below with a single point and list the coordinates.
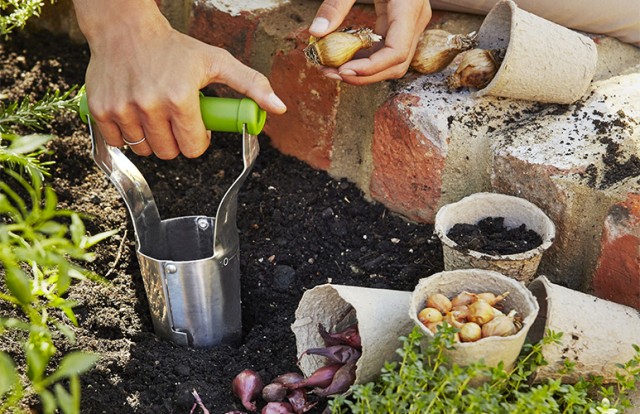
(232, 33)
(407, 166)
(306, 131)
(617, 276)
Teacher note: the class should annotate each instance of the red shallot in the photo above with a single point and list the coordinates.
(289, 380)
(247, 385)
(338, 354)
(299, 402)
(348, 336)
(321, 377)
(274, 392)
(342, 380)
(277, 408)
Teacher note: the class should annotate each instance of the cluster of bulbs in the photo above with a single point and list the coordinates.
(436, 49)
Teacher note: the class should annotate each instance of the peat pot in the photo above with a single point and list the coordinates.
(494, 349)
(543, 61)
(596, 334)
(381, 316)
(515, 211)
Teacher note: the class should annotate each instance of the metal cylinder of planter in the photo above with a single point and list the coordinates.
(189, 265)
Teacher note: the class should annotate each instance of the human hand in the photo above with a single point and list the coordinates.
(144, 78)
(401, 22)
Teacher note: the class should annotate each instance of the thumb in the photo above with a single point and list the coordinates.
(228, 70)
(330, 16)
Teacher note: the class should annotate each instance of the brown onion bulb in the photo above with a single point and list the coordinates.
(437, 48)
(470, 332)
(433, 326)
(440, 302)
(460, 312)
(463, 298)
(480, 312)
(428, 315)
(500, 326)
(477, 68)
(452, 320)
(491, 298)
(338, 48)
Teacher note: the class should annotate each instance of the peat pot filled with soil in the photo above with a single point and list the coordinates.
(496, 232)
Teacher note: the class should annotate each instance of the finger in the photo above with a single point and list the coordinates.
(400, 44)
(230, 71)
(394, 72)
(330, 16)
(331, 73)
(132, 134)
(160, 137)
(188, 129)
(110, 132)
(387, 59)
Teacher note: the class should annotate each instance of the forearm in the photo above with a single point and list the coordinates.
(103, 20)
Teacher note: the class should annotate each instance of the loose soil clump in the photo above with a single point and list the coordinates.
(491, 236)
(298, 227)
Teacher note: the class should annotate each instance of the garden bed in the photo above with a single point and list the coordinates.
(298, 228)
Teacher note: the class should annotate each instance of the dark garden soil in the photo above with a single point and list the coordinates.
(491, 236)
(299, 228)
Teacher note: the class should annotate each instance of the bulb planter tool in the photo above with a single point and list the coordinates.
(189, 265)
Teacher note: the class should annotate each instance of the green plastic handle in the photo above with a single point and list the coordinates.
(218, 114)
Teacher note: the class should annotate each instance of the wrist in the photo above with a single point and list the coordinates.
(101, 20)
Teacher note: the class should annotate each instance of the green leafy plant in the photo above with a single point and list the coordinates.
(15, 13)
(424, 382)
(36, 115)
(40, 248)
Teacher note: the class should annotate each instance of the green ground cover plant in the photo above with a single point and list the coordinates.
(41, 247)
(424, 382)
(14, 14)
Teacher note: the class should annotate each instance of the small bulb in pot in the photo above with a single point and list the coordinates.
(477, 68)
(428, 315)
(503, 325)
(470, 332)
(437, 48)
(337, 48)
(439, 301)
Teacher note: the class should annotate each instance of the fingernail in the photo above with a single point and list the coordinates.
(319, 25)
(333, 76)
(347, 72)
(275, 101)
